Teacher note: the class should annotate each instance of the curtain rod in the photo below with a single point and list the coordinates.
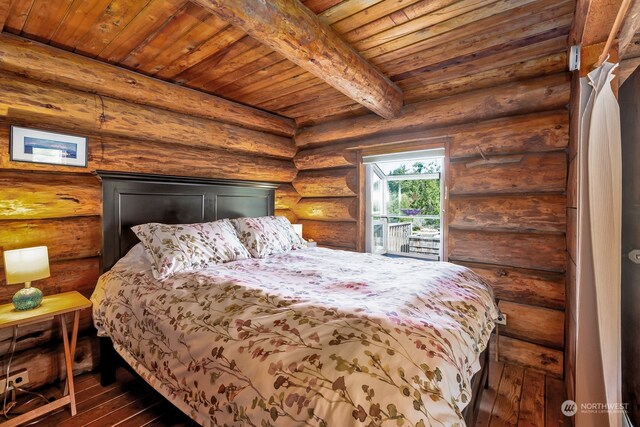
(614, 32)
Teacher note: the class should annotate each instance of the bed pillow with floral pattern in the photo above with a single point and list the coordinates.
(189, 247)
(268, 235)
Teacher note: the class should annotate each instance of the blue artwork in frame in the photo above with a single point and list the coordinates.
(37, 146)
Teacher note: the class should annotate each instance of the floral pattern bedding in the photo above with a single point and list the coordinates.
(267, 235)
(177, 247)
(314, 337)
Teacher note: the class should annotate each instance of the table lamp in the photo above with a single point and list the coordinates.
(26, 265)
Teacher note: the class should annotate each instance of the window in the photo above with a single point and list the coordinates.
(404, 203)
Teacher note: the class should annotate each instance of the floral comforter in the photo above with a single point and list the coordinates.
(314, 337)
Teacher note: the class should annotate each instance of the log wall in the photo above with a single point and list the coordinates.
(507, 217)
(61, 206)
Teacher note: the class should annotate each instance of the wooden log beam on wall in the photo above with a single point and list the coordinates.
(327, 183)
(333, 156)
(518, 173)
(45, 195)
(66, 239)
(534, 324)
(132, 155)
(491, 77)
(48, 64)
(179, 160)
(26, 100)
(530, 355)
(529, 133)
(528, 213)
(546, 93)
(334, 234)
(538, 132)
(531, 287)
(286, 196)
(328, 209)
(546, 252)
(286, 199)
(297, 33)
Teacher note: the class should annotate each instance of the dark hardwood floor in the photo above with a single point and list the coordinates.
(128, 402)
(516, 397)
(521, 397)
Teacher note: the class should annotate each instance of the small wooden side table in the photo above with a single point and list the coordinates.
(53, 306)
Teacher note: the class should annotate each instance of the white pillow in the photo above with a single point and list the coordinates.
(135, 261)
(188, 247)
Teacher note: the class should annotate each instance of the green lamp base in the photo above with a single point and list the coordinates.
(27, 298)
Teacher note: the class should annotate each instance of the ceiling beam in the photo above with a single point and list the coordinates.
(605, 27)
(593, 21)
(294, 31)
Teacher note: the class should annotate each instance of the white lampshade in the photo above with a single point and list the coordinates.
(26, 265)
(298, 228)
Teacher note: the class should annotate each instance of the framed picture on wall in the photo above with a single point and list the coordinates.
(38, 146)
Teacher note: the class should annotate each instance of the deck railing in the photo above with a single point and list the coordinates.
(425, 246)
(398, 237)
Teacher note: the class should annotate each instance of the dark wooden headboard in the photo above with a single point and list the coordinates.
(132, 199)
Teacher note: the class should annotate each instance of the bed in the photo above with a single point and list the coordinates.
(309, 337)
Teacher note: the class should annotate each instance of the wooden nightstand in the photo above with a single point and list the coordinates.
(53, 306)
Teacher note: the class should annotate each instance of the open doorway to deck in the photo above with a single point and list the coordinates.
(404, 199)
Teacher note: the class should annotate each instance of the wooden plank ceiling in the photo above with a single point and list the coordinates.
(429, 48)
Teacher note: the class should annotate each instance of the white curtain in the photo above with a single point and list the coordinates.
(598, 347)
